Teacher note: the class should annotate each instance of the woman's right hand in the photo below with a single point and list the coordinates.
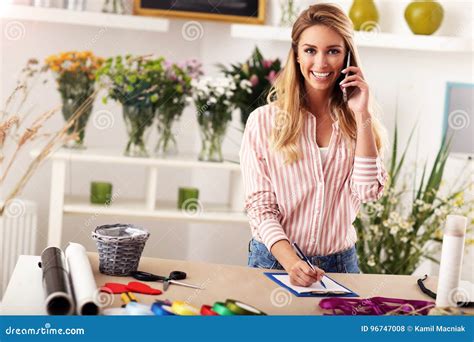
(302, 275)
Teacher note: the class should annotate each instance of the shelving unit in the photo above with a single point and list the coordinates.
(231, 212)
(84, 18)
(364, 39)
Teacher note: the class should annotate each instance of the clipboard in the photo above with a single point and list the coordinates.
(271, 276)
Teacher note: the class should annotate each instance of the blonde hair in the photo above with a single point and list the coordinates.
(288, 91)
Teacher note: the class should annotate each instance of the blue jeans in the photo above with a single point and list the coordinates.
(341, 262)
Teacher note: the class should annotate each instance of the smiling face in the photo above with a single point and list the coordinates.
(321, 55)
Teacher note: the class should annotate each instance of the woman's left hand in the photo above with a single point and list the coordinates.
(358, 101)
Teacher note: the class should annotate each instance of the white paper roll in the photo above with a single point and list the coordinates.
(83, 282)
(451, 261)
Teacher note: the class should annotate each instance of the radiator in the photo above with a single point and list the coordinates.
(18, 229)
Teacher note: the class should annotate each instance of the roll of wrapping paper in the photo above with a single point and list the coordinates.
(451, 261)
(56, 283)
(221, 309)
(240, 308)
(184, 309)
(83, 281)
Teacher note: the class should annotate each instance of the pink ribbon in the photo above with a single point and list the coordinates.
(375, 306)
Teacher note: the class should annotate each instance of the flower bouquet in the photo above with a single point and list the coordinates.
(75, 74)
(212, 98)
(174, 93)
(133, 81)
(253, 79)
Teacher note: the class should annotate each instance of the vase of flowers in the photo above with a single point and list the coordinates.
(253, 79)
(75, 74)
(174, 93)
(405, 225)
(212, 98)
(133, 81)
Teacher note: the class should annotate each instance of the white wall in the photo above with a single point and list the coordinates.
(412, 81)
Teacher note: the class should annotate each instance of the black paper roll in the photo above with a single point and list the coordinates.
(56, 283)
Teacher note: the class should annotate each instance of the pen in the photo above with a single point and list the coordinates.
(303, 257)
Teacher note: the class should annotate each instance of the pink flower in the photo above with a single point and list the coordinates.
(254, 80)
(271, 76)
(267, 63)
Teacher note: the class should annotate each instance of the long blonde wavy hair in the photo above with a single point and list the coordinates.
(288, 91)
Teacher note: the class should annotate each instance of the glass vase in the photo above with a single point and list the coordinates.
(166, 145)
(213, 127)
(69, 108)
(138, 120)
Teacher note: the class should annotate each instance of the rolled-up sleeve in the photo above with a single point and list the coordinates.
(260, 199)
(368, 178)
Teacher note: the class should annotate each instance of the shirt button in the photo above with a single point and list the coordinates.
(313, 240)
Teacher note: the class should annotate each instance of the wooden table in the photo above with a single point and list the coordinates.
(24, 295)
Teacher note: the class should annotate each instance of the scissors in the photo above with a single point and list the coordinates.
(173, 278)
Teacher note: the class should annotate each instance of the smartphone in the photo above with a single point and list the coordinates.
(343, 76)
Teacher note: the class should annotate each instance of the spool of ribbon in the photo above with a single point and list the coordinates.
(184, 309)
(239, 308)
(160, 309)
(221, 309)
(376, 306)
(206, 310)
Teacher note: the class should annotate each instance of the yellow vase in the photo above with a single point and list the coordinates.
(364, 15)
(424, 17)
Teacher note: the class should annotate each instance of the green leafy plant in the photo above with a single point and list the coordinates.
(405, 226)
(134, 82)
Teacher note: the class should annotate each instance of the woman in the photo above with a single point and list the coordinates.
(308, 158)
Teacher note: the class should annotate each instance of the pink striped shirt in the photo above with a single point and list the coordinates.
(305, 202)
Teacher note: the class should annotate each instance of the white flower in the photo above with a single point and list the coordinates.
(374, 228)
(371, 261)
(404, 225)
(394, 216)
(394, 230)
(404, 239)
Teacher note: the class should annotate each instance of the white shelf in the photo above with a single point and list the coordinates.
(364, 39)
(115, 156)
(85, 18)
(208, 213)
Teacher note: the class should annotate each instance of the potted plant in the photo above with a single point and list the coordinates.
(212, 98)
(174, 92)
(253, 79)
(133, 81)
(75, 74)
(399, 230)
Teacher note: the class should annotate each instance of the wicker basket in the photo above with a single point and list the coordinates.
(120, 247)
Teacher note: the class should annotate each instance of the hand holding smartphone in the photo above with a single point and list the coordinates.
(348, 63)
